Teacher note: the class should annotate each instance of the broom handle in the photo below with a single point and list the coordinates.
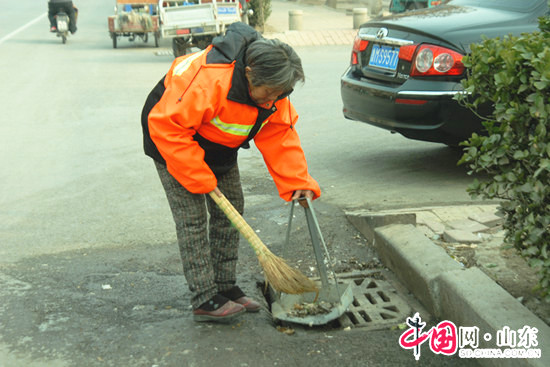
(238, 221)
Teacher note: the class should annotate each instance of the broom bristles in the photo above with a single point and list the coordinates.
(284, 278)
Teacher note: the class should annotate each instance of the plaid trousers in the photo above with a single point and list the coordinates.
(207, 240)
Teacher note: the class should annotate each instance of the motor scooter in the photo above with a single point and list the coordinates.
(62, 24)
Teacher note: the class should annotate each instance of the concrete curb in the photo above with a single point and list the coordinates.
(415, 260)
(367, 221)
(449, 291)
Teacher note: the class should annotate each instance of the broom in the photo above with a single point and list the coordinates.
(277, 272)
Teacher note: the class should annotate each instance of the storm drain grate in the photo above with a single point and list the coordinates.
(376, 303)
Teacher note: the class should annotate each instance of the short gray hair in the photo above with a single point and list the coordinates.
(274, 64)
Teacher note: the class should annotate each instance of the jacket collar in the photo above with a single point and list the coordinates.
(239, 85)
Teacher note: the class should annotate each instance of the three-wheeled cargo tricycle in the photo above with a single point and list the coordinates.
(134, 18)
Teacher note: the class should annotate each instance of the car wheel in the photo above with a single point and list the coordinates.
(203, 42)
(179, 46)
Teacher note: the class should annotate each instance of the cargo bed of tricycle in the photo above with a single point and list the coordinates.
(134, 18)
(195, 23)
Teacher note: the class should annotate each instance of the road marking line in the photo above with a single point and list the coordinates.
(5, 38)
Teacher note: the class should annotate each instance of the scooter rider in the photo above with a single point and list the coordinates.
(55, 6)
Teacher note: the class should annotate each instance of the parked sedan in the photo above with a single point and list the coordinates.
(406, 68)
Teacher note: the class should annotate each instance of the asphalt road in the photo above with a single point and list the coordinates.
(81, 207)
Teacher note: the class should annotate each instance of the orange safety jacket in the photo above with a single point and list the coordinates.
(200, 114)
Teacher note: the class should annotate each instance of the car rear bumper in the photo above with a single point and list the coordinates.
(437, 116)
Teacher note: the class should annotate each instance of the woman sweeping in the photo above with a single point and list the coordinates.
(208, 106)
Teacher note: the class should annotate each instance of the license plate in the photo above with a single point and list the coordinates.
(227, 10)
(384, 57)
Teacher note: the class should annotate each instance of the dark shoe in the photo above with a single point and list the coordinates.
(237, 295)
(53, 29)
(211, 311)
(249, 304)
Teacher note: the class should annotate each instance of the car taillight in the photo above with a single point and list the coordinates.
(435, 60)
(407, 52)
(359, 45)
(434, 3)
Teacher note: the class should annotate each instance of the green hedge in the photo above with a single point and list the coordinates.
(512, 74)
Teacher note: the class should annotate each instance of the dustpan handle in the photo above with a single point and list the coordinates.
(319, 248)
(289, 227)
(315, 230)
(316, 239)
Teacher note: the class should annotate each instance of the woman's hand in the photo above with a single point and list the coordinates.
(302, 194)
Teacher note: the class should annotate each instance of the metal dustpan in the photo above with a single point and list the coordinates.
(334, 298)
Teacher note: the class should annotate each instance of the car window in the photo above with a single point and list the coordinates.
(515, 5)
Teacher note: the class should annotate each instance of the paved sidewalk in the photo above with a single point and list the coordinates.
(321, 25)
(465, 224)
